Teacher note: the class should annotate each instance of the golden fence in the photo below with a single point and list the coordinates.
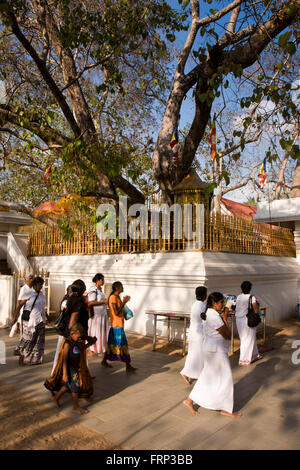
(221, 233)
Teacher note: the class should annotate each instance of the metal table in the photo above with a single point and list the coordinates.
(174, 315)
(179, 315)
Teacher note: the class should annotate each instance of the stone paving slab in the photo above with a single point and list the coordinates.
(144, 410)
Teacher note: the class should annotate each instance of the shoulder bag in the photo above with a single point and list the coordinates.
(253, 318)
(127, 312)
(26, 313)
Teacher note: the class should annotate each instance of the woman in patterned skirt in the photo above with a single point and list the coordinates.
(77, 311)
(32, 343)
(117, 346)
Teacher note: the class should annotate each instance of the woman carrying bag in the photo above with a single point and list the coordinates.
(248, 347)
(117, 346)
(77, 312)
(32, 343)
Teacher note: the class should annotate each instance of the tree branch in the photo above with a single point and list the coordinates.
(41, 65)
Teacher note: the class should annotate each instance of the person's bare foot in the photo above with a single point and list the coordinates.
(186, 379)
(80, 411)
(189, 404)
(260, 356)
(91, 354)
(105, 364)
(86, 400)
(56, 402)
(231, 415)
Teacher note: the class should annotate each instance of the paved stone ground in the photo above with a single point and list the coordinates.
(144, 410)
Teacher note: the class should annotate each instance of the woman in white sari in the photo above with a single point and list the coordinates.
(194, 361)
(214, 387)
(248, 347)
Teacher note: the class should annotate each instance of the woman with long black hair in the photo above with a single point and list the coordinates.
(214, 387)
(117, 345)
(77, 311)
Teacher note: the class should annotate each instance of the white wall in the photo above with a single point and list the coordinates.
(6, 299)
(167, 281)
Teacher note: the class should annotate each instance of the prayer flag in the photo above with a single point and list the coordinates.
(174, 145)
(213, 139)
(263, 172)
(47, 178)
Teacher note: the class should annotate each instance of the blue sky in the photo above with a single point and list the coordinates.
(252, 151)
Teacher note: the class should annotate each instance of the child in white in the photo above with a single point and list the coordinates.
(194, 361)
(248, 346)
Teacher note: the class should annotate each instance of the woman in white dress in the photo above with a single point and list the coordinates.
(248, 347)
(194, 361)
(214, 387)
(98, 321)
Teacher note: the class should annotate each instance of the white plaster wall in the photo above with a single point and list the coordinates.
(22, 242)
(6, 299)
(167, 281)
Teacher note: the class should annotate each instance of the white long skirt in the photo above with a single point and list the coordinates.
(194, 360)
(99, 327)
(214, 387)
(59, 341)
(248, 346)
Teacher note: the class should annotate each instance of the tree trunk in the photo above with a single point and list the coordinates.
(280, 181)
(295, 192)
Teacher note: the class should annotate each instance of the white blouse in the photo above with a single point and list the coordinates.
(213, 340)
(196, 322)
(37, 314)
(96, 295)
(242, 302)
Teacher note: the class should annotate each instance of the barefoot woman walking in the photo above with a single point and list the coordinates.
(117, 346)
(214, 387)
(194, 361)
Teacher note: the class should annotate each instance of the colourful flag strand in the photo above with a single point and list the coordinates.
(263, 173)
(47, 179)
(213, 139)
(174, 145)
